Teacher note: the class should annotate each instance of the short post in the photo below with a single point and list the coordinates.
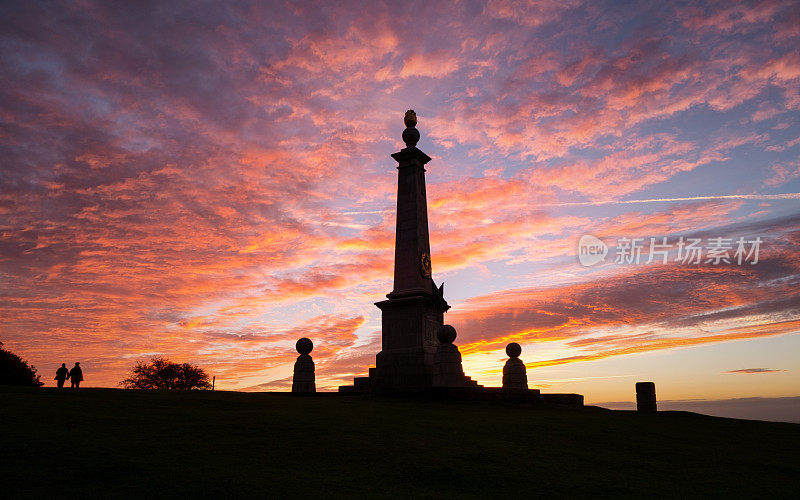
(646, 397)
(303, 379)
(213, 381)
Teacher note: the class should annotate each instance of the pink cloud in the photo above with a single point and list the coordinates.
(434, 65)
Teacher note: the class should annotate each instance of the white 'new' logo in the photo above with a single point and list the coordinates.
(591, 250)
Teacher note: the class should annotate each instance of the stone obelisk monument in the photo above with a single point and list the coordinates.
(418, 351)
(415, 308)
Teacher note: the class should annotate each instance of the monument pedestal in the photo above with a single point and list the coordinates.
(409, 342)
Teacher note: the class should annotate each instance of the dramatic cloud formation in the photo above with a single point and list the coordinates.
(211, 182)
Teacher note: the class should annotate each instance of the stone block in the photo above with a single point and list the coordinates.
(515, 375)
(303, 380)
(646, 397)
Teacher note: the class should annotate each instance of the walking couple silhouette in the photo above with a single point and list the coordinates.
(75, 376)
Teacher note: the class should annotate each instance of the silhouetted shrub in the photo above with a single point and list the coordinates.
(161, 373)
(16, 371)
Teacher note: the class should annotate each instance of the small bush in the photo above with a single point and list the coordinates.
(161, 373)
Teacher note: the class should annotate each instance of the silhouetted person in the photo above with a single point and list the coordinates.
(76, 375)
(61, 375)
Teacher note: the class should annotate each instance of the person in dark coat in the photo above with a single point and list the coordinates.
(76, 375)
(61, 375)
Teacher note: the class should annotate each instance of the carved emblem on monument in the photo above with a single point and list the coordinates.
(425, 264)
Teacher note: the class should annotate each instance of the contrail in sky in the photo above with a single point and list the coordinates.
(782, 196)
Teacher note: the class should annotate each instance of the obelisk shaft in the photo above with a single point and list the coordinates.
(412, 273)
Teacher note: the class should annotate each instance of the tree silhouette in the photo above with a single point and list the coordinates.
(16, 371)
(161, 373)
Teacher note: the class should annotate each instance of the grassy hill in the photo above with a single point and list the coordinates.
(107, 442)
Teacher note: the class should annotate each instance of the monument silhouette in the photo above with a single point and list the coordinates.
(417, 350)
(414, 310)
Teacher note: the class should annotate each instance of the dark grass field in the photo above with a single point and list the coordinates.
(102, 443)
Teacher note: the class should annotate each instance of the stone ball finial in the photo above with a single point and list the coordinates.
(304, 345)
(411, 118)
(410, 134)
(446, 334)
(513, 350)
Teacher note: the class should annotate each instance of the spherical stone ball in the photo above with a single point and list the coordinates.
(411, 136)
(304, 345)
(446, 334)
(513, 350)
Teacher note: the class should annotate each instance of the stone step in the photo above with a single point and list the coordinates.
(471, 383)
(362, 383)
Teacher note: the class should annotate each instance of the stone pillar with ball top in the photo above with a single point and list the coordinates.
(303, 379)
(515, 377)
(447, 369)
(415, 308)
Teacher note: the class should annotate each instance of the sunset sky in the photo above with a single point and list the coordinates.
(210, 182)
